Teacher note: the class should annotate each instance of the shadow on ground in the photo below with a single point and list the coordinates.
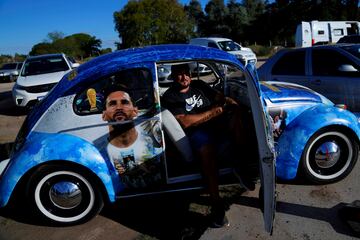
(8, 107)
(185, 215)
(334, 215)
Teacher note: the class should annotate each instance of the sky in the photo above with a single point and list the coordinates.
(24, 23)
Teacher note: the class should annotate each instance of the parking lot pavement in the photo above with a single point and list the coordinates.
(303, 212)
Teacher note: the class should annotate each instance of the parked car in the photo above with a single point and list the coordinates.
(60, 154)
(332, 70)
(10, 71)
(245, 55)
(38, 76)
(349, 39)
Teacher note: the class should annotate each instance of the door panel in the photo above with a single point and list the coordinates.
(267, 156)
(131, 141)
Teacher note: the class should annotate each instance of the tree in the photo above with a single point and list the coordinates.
(147, 22)
(54, 36)
(43, 48)
(216, 13)
(80, 45)
(238, 19)
(196, 15)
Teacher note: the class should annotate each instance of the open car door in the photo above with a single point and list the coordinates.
(265, 146)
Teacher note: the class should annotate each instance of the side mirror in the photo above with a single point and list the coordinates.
(75, 65)
(347, 68)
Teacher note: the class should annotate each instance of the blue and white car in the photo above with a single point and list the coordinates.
(60, 154)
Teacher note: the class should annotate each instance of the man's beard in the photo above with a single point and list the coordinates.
(180, 86)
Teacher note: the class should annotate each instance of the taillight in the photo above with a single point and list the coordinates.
(312, 41)
(342, 106)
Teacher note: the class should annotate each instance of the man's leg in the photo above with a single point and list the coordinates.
(205, 150)
(242, 131)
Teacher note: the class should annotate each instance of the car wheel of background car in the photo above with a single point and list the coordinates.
(64, 195)
(329, 156)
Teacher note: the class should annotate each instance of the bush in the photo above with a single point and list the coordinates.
(261, 51)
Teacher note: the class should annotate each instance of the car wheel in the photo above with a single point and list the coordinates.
(329, 156)
(64, 195)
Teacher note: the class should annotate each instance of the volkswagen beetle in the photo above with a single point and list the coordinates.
(63, 157)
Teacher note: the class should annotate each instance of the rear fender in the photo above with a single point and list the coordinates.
(41, 148)
(296, 135)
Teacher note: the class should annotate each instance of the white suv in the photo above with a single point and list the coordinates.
(245, 55)
(38, 76)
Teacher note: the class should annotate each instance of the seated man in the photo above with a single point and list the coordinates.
(200, 110)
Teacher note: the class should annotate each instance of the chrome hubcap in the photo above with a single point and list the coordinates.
(327, 155)
(65, 195)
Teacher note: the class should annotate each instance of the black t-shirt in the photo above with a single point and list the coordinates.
(199, 98)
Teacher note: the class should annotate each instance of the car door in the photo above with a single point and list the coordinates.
(336, 75)
(265, 140)
(290, 66)
(263, 129)
(135, 166)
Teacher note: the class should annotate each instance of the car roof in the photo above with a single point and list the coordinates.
(110, 63)
(217, 39)
(340, 45)
(45, 56)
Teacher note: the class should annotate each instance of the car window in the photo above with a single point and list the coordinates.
(291, 63)
(136, 82)
(212, 45)
(326, 62)
(8, 66)
(229, 46)
(44, 65)
(353, 49)
(19, 66)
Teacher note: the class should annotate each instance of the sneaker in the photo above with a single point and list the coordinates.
(244, 181)
(218, 218)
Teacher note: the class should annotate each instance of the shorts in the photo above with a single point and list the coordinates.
(200, 137)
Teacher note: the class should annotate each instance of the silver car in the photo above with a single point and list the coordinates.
(38, 76)
(10, 71)
(332, 70)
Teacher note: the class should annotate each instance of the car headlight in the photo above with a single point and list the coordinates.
(163, 70)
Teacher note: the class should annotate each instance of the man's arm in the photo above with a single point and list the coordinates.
(190, 120)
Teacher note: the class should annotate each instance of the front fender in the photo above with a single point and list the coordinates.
(45, 147)
(296, 135)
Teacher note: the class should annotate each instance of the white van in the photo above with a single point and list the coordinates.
(245, 55)
(323, 32)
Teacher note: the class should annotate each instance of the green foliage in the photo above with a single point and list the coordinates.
(78, 45)
(5, 58)
(148, 22)
(263, 51)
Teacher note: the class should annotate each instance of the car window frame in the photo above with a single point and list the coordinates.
(83, 87)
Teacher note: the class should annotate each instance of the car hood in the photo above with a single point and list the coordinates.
(280, 92)
(243, 51)
(40, 79)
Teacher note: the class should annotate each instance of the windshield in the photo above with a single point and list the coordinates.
(229, 46)
(8, 66)
(354, 50)
(44, 65)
